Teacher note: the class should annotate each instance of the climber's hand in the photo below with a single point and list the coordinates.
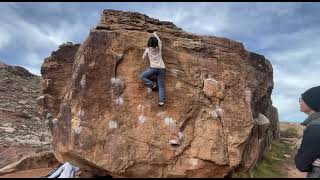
(316, 162)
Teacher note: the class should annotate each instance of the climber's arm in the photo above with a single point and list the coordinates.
(309, 150)
(159, 41)
(145, 53)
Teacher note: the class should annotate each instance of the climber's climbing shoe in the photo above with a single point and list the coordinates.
(161, 103)
(154, 86)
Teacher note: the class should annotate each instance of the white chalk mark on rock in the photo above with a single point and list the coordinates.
(79, 129)
(83, 81)
(81, 113)
(173, 142)
(193, 162)
(180, 136)
(119, 100)
(55, 122)
(115, 81)
(170, 122)
(113, 125)
(213, 114)
(220, 112)
(92, 64)
(248, 95)
(141, 108)
(142, 119)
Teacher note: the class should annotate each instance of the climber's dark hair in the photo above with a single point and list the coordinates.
(153, 42)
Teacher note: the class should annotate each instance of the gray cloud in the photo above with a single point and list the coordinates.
(34, 32)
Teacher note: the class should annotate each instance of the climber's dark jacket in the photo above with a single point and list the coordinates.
(309, 150)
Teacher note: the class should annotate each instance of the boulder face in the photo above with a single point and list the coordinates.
(104, 119)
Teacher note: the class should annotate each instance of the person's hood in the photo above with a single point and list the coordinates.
(310, 118)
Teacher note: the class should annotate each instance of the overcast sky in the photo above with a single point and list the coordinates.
(287, 33)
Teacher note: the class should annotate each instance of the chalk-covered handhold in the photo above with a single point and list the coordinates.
(180, 136)
(113, 125)
(220, 112)
(214, 88)
(173, 142)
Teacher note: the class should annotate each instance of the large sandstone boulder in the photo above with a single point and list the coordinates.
(104, 120)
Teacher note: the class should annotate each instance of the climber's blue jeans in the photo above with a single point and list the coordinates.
(160, 73)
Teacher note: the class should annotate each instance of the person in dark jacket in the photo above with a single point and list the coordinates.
(307, 158)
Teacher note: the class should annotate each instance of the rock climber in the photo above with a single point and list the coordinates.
(157, 67)
(307, 158)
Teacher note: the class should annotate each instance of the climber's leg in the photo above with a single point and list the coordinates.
(161, 77)
(145, 77)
